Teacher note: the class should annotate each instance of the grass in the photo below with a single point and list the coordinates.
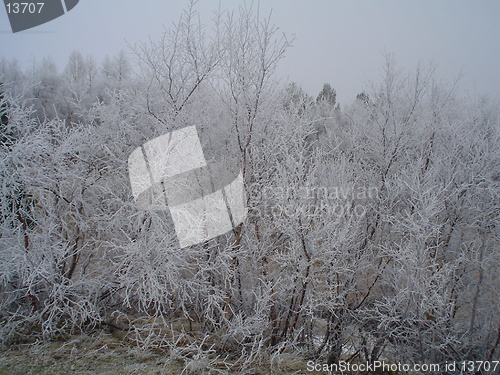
(106, 354)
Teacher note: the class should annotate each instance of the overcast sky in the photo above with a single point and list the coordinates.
(337, 41)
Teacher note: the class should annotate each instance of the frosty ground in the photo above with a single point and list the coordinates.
(104, 353)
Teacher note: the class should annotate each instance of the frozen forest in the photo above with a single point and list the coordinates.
(372, 229)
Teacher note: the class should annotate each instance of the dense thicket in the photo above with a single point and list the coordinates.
(372, 231)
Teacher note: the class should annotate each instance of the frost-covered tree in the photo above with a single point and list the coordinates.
(327, 95)
(372, 231)
(46, 89)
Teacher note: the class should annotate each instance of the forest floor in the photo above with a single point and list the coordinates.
(104, 353)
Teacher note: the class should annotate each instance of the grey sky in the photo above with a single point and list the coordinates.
(340, 42)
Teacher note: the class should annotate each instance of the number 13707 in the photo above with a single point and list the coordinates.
(477, 366)
(24, 8)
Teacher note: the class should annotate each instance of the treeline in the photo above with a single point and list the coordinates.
(69, 93)
(403, 265)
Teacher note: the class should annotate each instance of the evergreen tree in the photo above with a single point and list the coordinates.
(296, 99)
(327, 95)
(5, 133)
(3, 107)
(363, 98)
